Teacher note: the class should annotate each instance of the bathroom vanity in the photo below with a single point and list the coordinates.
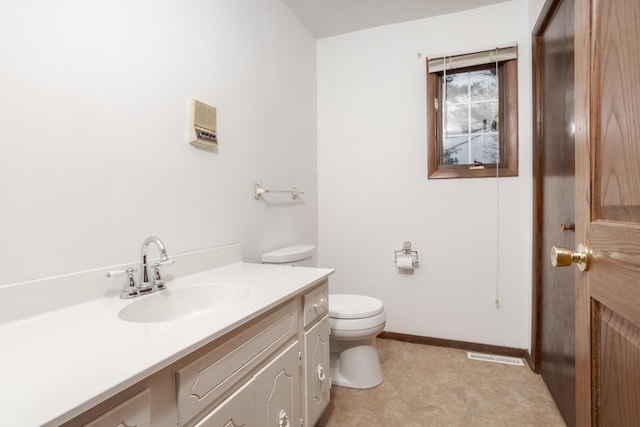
(259, 360)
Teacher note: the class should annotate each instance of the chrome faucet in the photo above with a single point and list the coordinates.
(145, 285)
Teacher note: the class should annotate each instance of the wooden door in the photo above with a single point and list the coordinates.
(608, 211)
(553, 351)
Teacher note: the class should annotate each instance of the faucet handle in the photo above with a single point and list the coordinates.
(130, 288)
(156, 282)
(115, 273)
(168, 261)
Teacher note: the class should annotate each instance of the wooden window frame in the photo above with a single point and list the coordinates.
(507, 127)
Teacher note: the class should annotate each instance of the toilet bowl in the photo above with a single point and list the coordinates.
(355, 320)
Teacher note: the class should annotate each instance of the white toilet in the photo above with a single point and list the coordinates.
(355, 321)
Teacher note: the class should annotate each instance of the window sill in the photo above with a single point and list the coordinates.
(444, 172)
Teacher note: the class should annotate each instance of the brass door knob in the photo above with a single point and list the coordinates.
(562, 257)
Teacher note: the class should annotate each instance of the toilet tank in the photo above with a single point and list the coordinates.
(301, 255)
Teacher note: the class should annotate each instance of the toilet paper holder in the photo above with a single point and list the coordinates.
(406, 250)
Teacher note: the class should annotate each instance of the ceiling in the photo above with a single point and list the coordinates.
(326, 18)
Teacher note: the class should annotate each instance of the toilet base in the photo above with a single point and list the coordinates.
(355, 364)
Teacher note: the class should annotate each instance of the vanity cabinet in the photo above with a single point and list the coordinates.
(273, 392)
(207, 379)
(272, 371)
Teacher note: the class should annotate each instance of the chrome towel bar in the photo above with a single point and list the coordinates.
(258, 190)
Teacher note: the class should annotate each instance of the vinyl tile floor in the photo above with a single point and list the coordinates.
(436, 386)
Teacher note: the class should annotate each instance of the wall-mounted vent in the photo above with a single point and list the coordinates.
(515, 361)
(202, 124)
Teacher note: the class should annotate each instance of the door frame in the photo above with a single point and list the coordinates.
(583, 115)
(548, 10)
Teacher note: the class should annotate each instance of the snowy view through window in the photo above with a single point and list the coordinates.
(470, 122)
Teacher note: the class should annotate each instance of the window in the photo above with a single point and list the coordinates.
(472, 109)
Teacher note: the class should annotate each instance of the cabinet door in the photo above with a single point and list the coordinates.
(316, 378)
(278, 390)
(233, 411)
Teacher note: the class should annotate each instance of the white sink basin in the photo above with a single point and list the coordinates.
(172, 304)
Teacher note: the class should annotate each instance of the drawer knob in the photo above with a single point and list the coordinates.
(321, 375)
(320, 304)
(283, 419)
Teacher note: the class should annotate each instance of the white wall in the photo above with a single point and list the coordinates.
(374, 193)
(535, 7)
(93, 151)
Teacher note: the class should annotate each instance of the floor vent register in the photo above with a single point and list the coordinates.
(515, 361)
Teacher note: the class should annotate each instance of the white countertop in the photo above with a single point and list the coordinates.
(57, 364)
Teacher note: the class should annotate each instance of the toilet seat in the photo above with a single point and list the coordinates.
(366, 323)
(349, 306)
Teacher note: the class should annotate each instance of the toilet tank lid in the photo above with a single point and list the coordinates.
(348, 306)
(289, 254)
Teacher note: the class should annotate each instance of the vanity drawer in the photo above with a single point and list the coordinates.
(135, 411)
(207, 379)
(316, 304)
